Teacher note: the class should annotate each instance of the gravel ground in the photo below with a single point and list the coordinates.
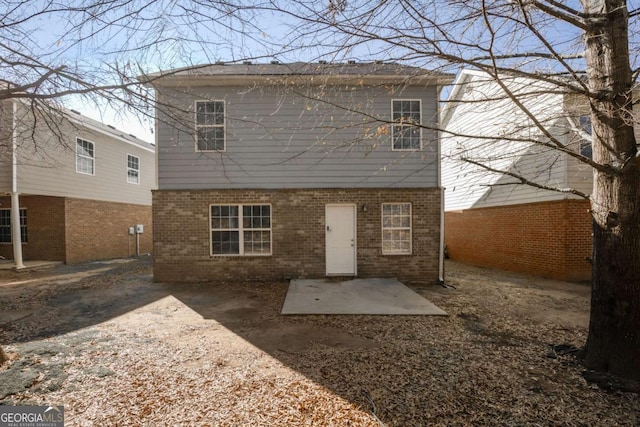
(116, 349)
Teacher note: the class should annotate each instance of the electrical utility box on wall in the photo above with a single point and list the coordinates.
(139, 228)
(132, 231)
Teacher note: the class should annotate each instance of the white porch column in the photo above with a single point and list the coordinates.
(16, 238)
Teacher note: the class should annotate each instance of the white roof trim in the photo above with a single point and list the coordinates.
(109, 134)
(458, 83)
(84, 121)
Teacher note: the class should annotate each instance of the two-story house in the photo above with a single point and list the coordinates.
(493, 217)
(276, 171)
(78, 187)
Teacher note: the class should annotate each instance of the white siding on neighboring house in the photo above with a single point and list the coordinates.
(47, 163)
(284, 138)
(474, 127)
(6, 107)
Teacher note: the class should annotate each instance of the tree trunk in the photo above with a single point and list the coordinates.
(613, 345)
(3, 357)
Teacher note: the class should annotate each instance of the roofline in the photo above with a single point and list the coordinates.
(172, 78)
(231, 80)
(93, 124)
(457, 84)
(109, 134)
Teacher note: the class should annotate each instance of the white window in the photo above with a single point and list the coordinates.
(240, 229)
(133, 169)
(396, 228)
(210, 134)
(585, 146)
(406, 132)
(85, 157)
(5, 225)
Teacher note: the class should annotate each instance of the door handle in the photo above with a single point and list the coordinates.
(328, 228)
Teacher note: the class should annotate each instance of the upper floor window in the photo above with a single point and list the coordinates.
(585, 124)
(406, 132)
(5, 225)
(133, 169)
(85, 160)
(585, 146)
(210, 134)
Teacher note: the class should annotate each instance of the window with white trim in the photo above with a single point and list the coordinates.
(240, 229)
(396, 228)
(133, 169)
(406, 114)
(210, 134)
(5, 225)
(585, 146)
(85, 160)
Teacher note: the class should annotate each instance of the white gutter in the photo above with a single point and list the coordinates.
(16, 239)
(109, 134)
(156, 126)
(441, 260)
(441, 252)
(85, 122)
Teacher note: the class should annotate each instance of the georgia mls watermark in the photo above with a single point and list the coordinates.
(31, 416)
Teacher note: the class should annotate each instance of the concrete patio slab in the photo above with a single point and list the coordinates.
(359, 296)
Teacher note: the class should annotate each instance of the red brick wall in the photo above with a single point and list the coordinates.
(99, 230)
(550, 239)
(182, 241)
(77, 230)
(45, 228)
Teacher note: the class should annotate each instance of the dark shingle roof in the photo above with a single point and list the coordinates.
(77, 117)
(370, 70)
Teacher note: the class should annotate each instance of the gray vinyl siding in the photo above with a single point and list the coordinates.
(284, 138)
(47, 166)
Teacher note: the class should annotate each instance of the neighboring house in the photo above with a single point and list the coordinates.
(80, 185)
(491, 218)
(276, 171)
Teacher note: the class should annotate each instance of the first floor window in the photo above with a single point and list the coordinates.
(133, 169)
(396, 228)
(84, 157)
(5, 225)
(241, 229)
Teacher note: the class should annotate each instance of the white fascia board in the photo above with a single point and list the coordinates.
(109, 134)
(85, 122)
(455, 95)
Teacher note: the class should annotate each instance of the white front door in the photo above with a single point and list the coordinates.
(340, 240)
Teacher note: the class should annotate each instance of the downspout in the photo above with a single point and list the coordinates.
(15, 200)
(439, 136)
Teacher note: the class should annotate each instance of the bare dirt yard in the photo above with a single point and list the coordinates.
(117, 349)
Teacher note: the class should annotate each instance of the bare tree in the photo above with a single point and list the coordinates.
(581, 48)
(53, 53)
